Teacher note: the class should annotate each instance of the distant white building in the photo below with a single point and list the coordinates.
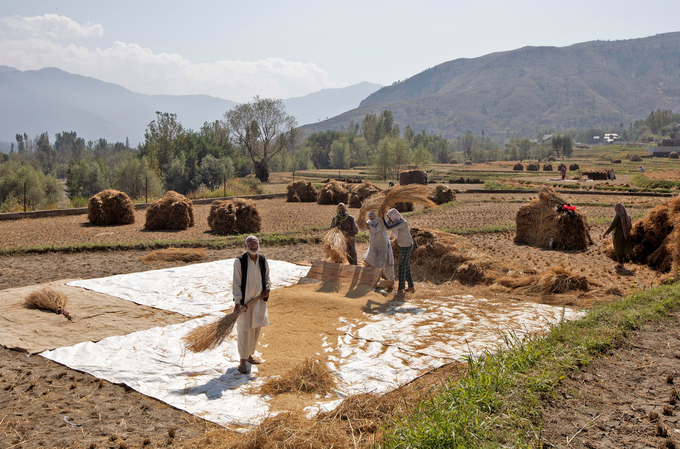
(611, 137)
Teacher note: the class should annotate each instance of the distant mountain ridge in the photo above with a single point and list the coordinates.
(52, 100)
(510, 92)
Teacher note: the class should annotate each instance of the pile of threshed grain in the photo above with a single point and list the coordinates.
(175, 254)
(235, 216)
(394, 197)
(548, 167)
(539, 220)
(361, 192)
(110, 207)
(441, 257)
(533, 167)
(656, 238)
(442, 194)
(596, 175)
(333, 192)
(301, 192)
(407, 177)
(335, 246)
(312, 376)
(173, 212)
(518, 167)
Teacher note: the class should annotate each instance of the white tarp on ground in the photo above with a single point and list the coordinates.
(378, 354)
(192, 290)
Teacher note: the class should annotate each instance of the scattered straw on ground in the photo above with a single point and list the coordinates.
(556, 280)
(174, 255)
(312, 376)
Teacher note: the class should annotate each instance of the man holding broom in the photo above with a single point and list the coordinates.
(251, 283)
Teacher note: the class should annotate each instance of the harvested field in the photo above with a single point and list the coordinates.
(39, 392)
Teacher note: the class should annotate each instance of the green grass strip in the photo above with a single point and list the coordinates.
(498, 403)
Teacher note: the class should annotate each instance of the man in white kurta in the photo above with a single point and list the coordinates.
(249, 266)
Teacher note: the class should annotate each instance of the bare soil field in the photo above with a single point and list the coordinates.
(599, 407)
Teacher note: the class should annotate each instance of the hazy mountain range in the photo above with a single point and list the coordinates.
(516, 92)
(52, 100)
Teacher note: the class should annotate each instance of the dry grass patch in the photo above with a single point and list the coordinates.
(175, 255)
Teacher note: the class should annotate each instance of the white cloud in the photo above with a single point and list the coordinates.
(141, 70)
(52, 25)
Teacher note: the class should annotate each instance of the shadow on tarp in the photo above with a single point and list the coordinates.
(231, 380)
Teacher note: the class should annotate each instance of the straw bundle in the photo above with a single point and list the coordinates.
(548, 167)
(175, 254)
(518, 167)
(442, 194)
(173, 212)
(312, 376)
(110, 207)
(211, 335)
(533, 167)
(573, 167)
(48, 299)
(335, 246)
(555, 280)
(383, 201)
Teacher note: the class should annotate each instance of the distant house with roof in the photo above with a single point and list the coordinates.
(665, 147)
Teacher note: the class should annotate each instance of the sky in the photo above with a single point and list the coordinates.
(284, 49)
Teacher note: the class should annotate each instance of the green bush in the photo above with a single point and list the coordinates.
(41, 190)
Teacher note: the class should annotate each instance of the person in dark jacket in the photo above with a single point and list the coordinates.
(345, 222)
(620, 229)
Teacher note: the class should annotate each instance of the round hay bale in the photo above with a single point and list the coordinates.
(468, 162)
(548, 167)
(173, 212)
(333, 192)
(453, 161)
(407, 177)
(573, 167)
(635, 158)
(518, 167)
(551, 159)
(110, 207)
(533, 167)
(301, 192)
(235, 216)
(361, 192)
(442, 194)
(674, 155)
(539, 220)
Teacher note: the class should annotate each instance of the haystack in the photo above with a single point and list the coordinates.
(539, 220)
(533, 167)
(404, 206)
(573, 167)
(173, 212)
(548, 167)
(441, 194)
(635, 158)
(235, 216)
(110, 207)
(674, 155)
(412, 177)
(518, 167)
(441, 257)
(361, 192)
(301, 192)
(333, 193)
(596, 175)
(453, 161)
(551, 159)
(559, 167)
(616, 161)
(656, 238)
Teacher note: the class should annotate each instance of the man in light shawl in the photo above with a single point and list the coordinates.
(379, 253)
(620, 229)
(395, 222)
(345, 222)
(251, 283)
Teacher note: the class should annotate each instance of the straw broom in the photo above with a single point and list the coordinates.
(335, 246)
(381, 202)
(48, 299)
(211, 335)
